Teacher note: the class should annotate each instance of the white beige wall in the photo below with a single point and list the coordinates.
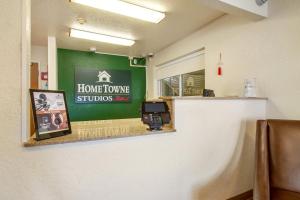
(39, 54)
(268, 50)
(160, 167)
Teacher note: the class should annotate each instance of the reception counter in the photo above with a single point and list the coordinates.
(209, 156)
(99, 130)
(118, 128)
(216, 142)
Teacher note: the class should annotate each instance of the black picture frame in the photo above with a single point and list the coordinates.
(50, 113)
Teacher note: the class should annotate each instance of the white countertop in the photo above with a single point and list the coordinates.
(214, 98)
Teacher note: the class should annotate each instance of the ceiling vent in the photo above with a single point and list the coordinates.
(261, 2)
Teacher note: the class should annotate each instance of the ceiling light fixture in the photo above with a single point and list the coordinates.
(100, 37)
(124, 8)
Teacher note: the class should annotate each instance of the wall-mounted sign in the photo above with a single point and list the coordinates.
(138, 62)
(97, 85)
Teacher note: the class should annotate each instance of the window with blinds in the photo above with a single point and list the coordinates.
(189, 84)
(193, 83)
(182, 76)
(170, 86)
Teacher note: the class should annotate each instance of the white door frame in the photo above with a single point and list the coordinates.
(25, 68)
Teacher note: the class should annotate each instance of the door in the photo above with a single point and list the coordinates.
(34, 76)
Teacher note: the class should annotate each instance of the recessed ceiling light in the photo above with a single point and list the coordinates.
(124, 8)
(100, 37)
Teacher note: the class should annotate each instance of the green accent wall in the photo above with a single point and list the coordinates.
(68, 60)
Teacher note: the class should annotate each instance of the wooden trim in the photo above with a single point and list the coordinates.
(244, 196)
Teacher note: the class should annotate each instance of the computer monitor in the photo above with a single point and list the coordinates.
(154, 107)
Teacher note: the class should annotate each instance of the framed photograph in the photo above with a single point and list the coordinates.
(50, 113)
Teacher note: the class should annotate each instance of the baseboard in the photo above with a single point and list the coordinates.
(244, 196)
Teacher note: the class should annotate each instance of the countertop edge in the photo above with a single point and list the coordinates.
(213, 98)
(32, 143)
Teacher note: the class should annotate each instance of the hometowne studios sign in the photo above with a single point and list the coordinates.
(97, 85)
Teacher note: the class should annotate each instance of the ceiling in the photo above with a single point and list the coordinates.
(56, 17)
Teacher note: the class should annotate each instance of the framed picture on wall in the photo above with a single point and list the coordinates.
(50, 113)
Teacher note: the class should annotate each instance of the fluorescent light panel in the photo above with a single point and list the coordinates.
(100, 37)
(124, 8)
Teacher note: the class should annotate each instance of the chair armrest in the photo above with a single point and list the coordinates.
(261, 180)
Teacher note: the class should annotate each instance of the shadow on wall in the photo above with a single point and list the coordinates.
(239, 168)
(274, 112)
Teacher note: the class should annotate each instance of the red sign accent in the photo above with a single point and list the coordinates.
(118, 98)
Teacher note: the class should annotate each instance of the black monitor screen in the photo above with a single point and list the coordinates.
(154, 107)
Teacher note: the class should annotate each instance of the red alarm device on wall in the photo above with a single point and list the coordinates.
(44, 76)
(220, 66)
